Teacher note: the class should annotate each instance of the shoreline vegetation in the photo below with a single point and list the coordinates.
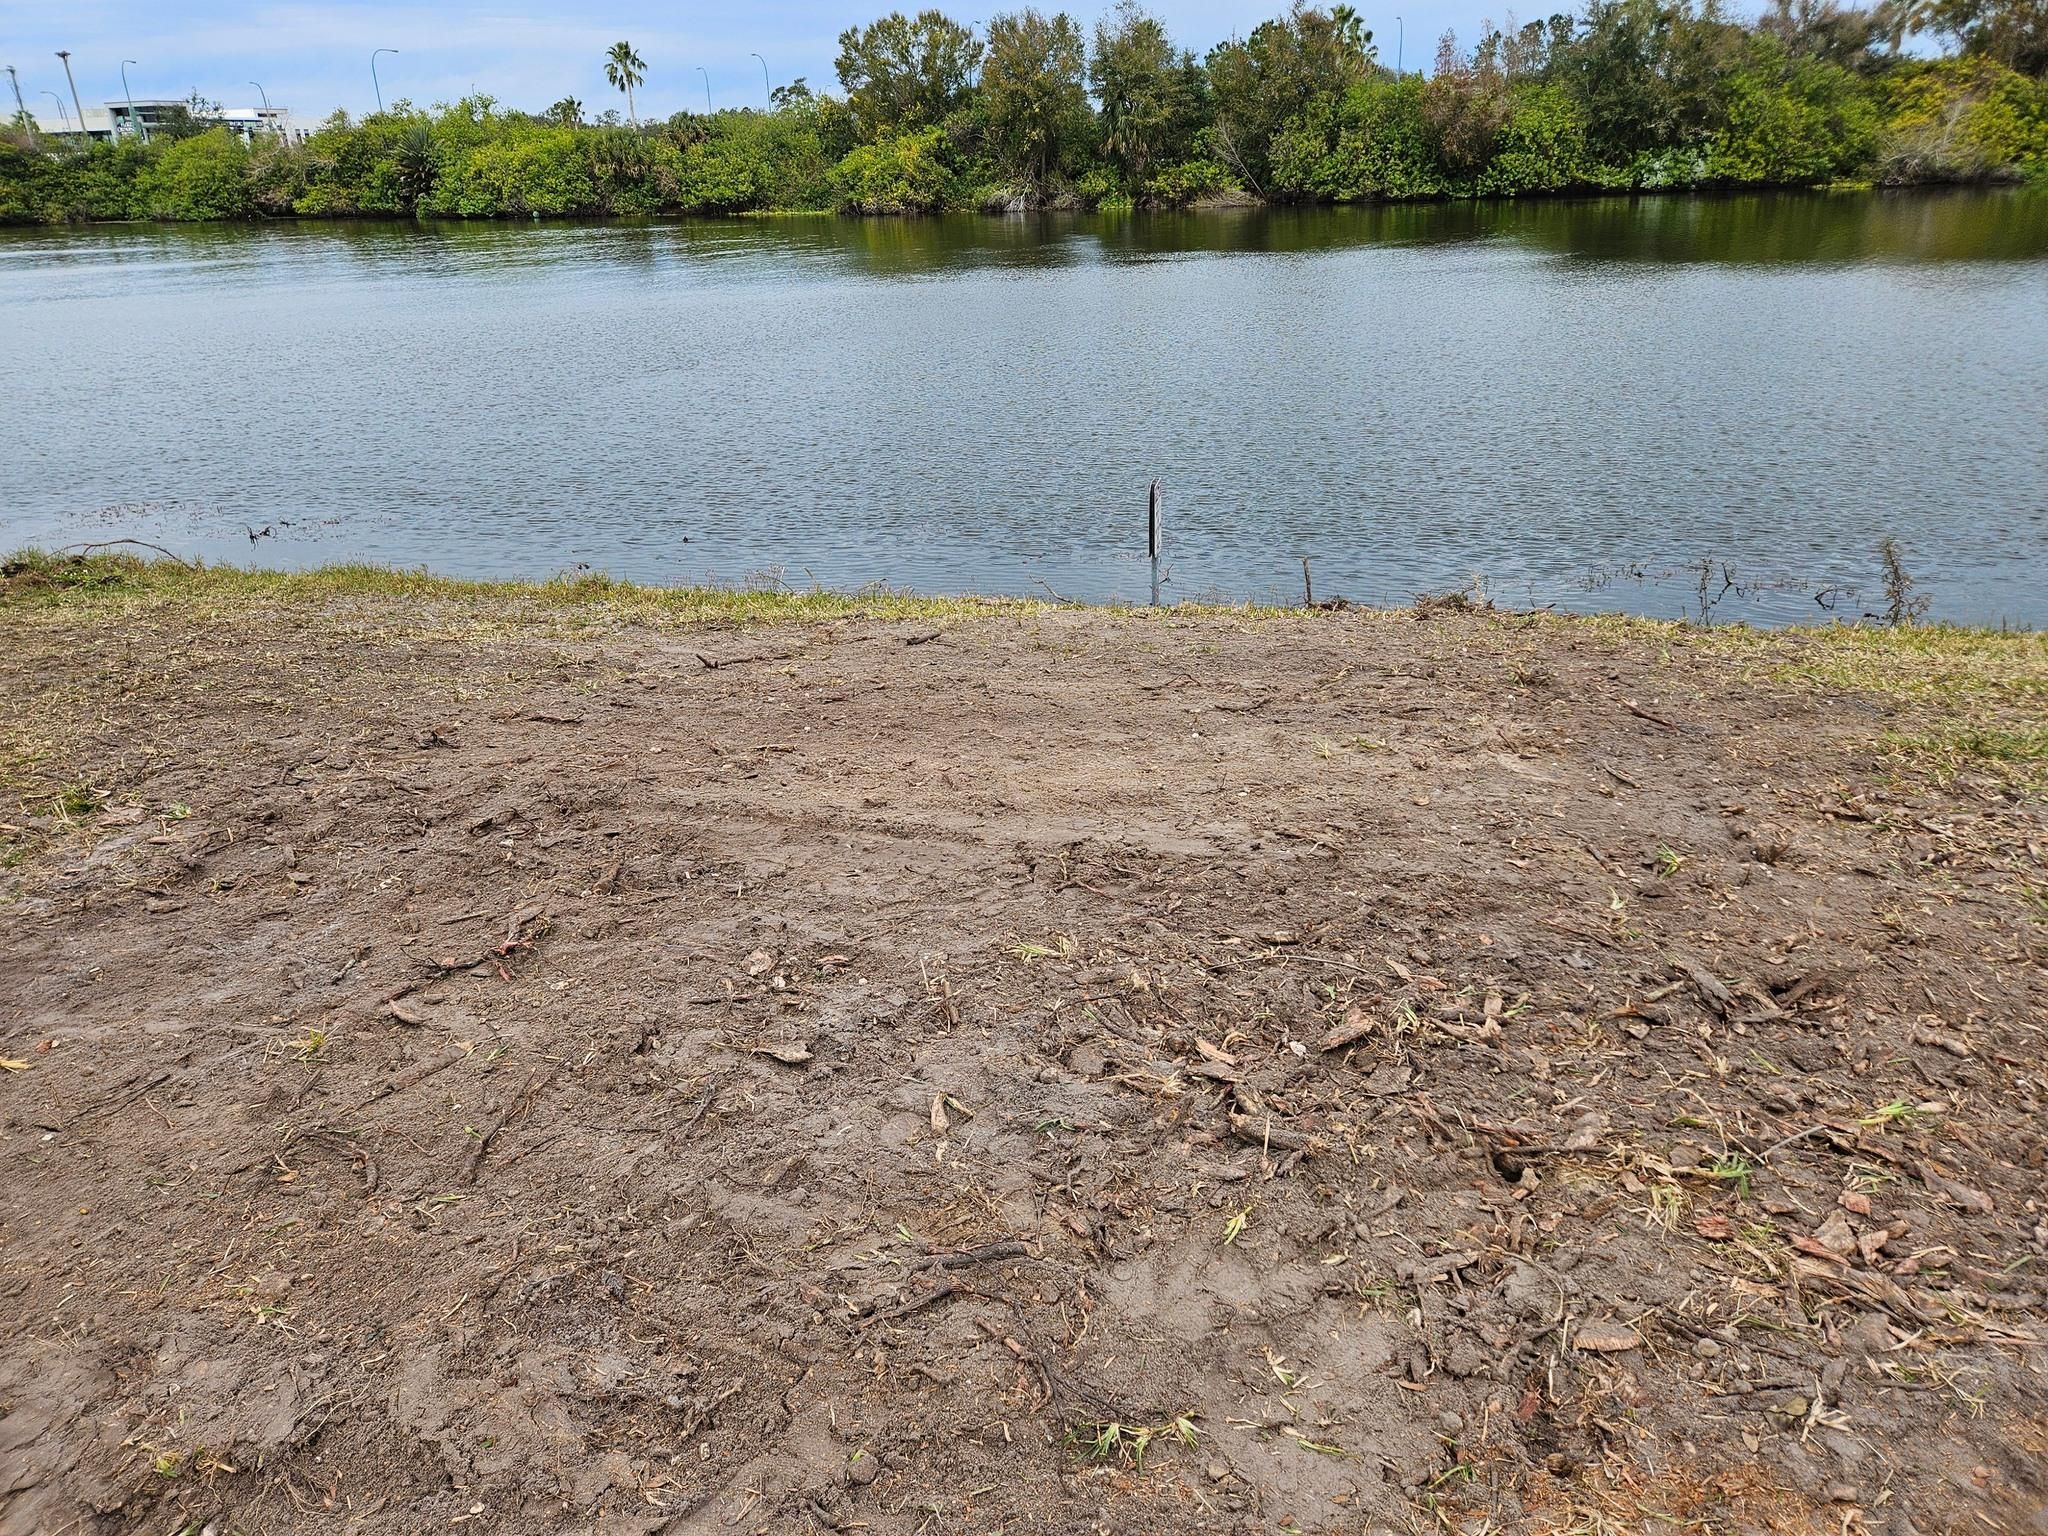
(32, 576)
(1034, 112)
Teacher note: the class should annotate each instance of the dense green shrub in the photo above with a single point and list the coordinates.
(1960, 120)
(204, 177)
(903, 173)
(1791, 121)
(1189, 182)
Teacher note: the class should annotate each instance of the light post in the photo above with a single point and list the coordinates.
(766, 89)
(276, 126)
(134, 122)
(63, 112)
(1400, 45)
(20, 110)
(65, 55)
(707, 88)
(375, 84)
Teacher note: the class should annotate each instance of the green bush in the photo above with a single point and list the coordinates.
(537, 173)
(1960, 120)
(1791, 123)
(1189, 182)
(904, 173)
(203, 177)
(1373, 144)
(1541, 148)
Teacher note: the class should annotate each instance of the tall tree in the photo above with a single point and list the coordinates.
(901, 74)
(1270, 78)
(1353, 35)
(1032, 93)
(1131, 70)
(625, 69)
(2014, 32)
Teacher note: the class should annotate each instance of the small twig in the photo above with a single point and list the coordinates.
(1778, 1146)
(704, 1104)
(1643, 714)
(930, 1298)
(987, 1253)
(524, 1101)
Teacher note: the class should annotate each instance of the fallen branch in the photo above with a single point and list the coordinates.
(85, 549)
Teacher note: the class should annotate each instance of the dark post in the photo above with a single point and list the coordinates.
(1308, 587)
(1153, 540)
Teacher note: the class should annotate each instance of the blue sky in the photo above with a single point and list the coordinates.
(313, 55)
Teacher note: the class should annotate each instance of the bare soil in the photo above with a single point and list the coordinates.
(1042, 1072)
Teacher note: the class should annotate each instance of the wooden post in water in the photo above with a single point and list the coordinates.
(1152, 540)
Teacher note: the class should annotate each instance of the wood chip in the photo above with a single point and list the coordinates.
(1356, 1026)
(791, 1055)
(1607, 1338)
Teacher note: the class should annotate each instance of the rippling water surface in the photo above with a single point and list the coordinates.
(1613, 404)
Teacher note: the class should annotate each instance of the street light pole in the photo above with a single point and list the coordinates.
(375, 84)
(1400, 45)
(766, 89)
(707, 88)
(134, 122)
(20, 110)
(63, 112)
(65, 55)
(276, 126)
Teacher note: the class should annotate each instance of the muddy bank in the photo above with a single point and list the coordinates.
(540, 1067)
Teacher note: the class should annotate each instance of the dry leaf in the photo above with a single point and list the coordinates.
(939, 1121)
(11, 1065)
(1817, 1249)
(1715, 1229)
(759, 962)
(788, 1055)
(404, 1012)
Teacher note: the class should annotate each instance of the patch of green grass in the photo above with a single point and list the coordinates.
(113, 583)
(76, 801)
(1898, 1112)
(1732, 1169)
(1108, 1440)
(2013, 752)
(1940, 663)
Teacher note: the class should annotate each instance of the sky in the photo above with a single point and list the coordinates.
(314, 55)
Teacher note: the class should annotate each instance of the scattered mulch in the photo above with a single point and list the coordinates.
(1039, 1074)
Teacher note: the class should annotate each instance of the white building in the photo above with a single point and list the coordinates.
(112, 121)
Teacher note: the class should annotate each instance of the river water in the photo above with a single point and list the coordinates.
(1646, 405)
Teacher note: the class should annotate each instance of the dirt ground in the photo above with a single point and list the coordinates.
(1038, 1071)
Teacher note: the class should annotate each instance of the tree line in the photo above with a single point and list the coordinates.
(1034, 111)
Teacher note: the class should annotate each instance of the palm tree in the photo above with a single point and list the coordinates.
(625, 69)
(1350, 29)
